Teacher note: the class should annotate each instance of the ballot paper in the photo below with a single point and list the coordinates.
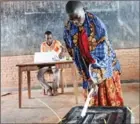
(43, 57)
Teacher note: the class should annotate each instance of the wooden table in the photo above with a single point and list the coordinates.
(33, 67)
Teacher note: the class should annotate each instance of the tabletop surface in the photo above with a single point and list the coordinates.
(47, 63)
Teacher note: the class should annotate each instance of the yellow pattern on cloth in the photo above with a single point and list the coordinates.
(109, 92)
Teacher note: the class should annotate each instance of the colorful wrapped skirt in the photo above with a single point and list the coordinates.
(109, 92)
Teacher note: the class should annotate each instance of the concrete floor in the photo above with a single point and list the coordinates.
(33, 111)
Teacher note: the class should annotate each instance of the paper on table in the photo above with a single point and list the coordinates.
(42, 57)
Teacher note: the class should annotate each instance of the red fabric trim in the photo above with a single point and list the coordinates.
(84, 46)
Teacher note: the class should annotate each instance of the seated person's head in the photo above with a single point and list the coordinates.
(48, 37)
(75, 12)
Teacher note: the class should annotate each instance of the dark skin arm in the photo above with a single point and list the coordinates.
(61, 54)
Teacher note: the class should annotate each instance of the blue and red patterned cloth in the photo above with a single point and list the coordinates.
(101, 57)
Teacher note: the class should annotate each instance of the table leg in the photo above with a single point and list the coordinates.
(75, 84)
(20, 86)
(62, 83)
(29, 84)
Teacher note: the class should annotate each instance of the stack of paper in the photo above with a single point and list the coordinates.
(43, 57)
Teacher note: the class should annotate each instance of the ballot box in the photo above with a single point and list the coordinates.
(98, 115)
